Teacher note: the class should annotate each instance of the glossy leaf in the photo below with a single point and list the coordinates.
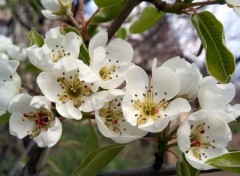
(107, 3)
(185, 169)
(69, 29)
(108, 14)
(35, 38)
(122, 33)
(84, 55)
(220, 61)
(4, 118)
(228, 162)
(148, 18)
(97, 159)
(91, 142)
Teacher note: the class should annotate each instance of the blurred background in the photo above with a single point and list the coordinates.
(172, 36)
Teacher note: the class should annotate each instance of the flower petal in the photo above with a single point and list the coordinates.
(165, 82)
(48, 84)
(50, 137)
(19, 127)
(177, 106)
(52, 5)
(73, 43)
(40, 101)
(21, 103)
(49, 15)
(119, 50)
(99, 40)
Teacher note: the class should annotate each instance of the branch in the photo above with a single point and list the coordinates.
(122, 17)
(179, 7)
(30, 168)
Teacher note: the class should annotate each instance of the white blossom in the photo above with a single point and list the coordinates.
(188, 74)
(111, 61)
(151, 105)
(54, 9)
(112, 124)
(10, 83)
(56, 47)
(216, 97)
(33, 116)
(72, 85)
(235, 4)
(202, 136)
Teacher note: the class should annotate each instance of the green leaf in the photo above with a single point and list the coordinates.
(107, 3)
(122, 33)
(4, 118)
(31, 68)
(108, 14)
(84, 55)
(185, 169)
(97, 159)
(91, 142)
(228, 162)
(35, 38)
(149, 17)
(69, 29)
(220, 61)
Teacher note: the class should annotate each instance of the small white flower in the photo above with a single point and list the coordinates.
(188, 74)
(33, 116)
(56, 47)
(152, 105)
(54, 9)
(235, 4)
(72, 85)
(203, 136)
(111, 61)
(112, 124)
(5, 42)
(216, 97)
(10, 83)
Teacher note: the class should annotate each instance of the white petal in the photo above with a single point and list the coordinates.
(183, 136)
(154, 64)
(62, 109)
(214, 97)
(50, 137)
(52, 5)
(237, 10)
(49, 15)
(21, 103)
(40, 101)
(129, 111)
(114, 93)
(165, 82)
(49, 86)
(233, 2)
(19, 127)
(119, 50)
(73, 43)
(94, 102)
(177, 106)
(53, 33)
(8, 91)
(234, 111)
(208, 81)
(137, 82)
(99, 40)
(97, 59)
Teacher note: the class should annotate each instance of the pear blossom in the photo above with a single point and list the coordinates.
(33, 116)
(151, 105)
(10, 83)
(72, 85)
(235, 4)
(112, 124)
(56, 47)
(111, 61)
(188, 74)
(202, 136)
(54, 9)
(216, 97)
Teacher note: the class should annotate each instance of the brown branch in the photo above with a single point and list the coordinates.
(122, 17)
(30, 168)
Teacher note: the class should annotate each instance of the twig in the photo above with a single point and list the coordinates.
(83, 21)
(122, 17)
(30, 168)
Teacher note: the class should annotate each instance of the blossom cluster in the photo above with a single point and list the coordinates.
(143, 105)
